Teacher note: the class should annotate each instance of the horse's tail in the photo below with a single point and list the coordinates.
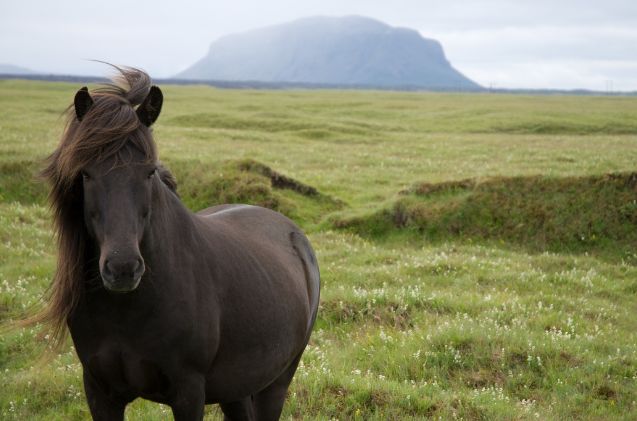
(312, 274)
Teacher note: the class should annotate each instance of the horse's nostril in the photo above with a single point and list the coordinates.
(107, 267)
(139, 268)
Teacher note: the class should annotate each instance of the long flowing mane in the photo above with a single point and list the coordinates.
(109, 125)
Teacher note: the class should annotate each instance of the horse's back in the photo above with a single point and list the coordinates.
(219, 208)
(252, 223)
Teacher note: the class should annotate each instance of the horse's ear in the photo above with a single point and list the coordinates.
(83, 102)
(149, 109)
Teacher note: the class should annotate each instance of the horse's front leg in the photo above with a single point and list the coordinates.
(102, 406)
(189, 399)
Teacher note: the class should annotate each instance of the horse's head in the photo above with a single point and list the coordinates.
(117, 195)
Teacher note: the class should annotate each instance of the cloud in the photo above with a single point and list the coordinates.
(544, 42)
(548, 56)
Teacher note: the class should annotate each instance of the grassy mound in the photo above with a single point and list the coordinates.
(557, 126)
(543, 213)
(200, 185)
(272, 123)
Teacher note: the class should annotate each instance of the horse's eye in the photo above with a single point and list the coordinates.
(150, 174)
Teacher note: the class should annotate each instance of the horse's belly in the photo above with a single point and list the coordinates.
(234, 382)
(244, 366)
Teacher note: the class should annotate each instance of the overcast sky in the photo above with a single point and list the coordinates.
(561, 44)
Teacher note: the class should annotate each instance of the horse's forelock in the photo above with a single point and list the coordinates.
(129, 83)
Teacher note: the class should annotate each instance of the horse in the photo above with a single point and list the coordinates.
(180, 308)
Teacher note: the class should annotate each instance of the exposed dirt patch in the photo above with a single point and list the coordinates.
(606, 392)
(277, 179)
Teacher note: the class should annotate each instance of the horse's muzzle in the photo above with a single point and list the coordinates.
(122, 276)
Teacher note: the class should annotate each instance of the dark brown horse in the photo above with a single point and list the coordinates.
(179, 308)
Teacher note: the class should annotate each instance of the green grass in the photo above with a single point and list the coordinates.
(478, 252)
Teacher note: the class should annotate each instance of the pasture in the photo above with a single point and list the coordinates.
(478, 252)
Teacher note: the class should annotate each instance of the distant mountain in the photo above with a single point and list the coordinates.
(351, 50)
(10, 69)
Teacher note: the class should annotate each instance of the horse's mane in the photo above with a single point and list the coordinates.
(110, 125)
(167, 178)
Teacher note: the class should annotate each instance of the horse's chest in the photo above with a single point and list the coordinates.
(130, 352)
(122, 372)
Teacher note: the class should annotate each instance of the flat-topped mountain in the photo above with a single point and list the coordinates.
(10, 69)
(349, 50)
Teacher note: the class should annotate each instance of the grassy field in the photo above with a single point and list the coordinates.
(478, 252)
